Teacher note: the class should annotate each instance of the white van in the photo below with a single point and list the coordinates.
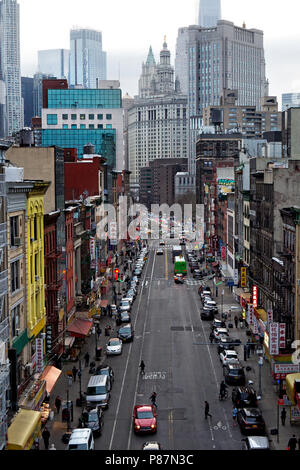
(98, 391)
(81, 439)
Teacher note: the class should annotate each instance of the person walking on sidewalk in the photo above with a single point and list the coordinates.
(211, 337)
(74, 373)
(142, 366)
(292, 444)
(283, 417)
(236, 321)
(57, 403)
(46, 438)
(206, 410)
(87, 359)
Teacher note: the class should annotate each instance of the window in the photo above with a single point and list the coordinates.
(82, 126)
(52, 119)
(65, 126)
(109, 117)
(100, 126)
(91, 126)
(108, 126)
(15, 320)
(65, 117)
(91, 116)
(14, 229)
(74, 126)
(100, 117)
(15, 272)
(74, 117)
(82, 117)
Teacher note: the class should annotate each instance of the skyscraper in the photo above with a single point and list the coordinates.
(87, 59)
(10, 71)
(209, 13)
(54, 62)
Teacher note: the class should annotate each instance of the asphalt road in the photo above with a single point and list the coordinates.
(184, 374)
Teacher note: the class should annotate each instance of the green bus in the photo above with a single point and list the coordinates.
(180, 265)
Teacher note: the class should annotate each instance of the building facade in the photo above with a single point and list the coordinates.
(87, 58)
(290, 100)
(10, 67)
(54, 62)
(209, 13)
(27, 95)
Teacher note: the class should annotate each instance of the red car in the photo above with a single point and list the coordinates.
(144, 419)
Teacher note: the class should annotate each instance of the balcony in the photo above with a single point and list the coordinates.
(3, 235)
(4, 330)
(3, 283)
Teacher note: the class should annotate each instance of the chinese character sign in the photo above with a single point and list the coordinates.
(282, 327)
(236, 277)
(274, 339)
(250, 314)
(254, 296)
(39, 355)
(269, 318)
(243, 277)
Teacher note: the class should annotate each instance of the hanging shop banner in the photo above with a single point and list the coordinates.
(93, 249)
(282, 329)
(255, 325)
(250, 314)
(113, 234)
(274, 339)
(243, 277)
(254, 296)
(236, 277)
(39, 355)
(269, 318)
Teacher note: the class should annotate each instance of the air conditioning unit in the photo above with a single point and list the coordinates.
(17, 241)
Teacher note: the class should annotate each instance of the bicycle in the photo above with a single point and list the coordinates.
(223, 396)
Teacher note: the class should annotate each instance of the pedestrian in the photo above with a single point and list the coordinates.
(153, 399)
(52, 447)
(245, 352)
(46, 437)
(211, 337)
(99, 331)
(57, 403)
(109, 311)
(87, 359)
(206, 410)
(283, 417)
(241, 320)
(142, 366)
(74, 373)
(292, 444)
(236, 321)
(234, 415)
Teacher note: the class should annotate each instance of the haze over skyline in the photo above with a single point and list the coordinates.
(128, 34)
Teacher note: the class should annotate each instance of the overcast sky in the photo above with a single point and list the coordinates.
(129, 27)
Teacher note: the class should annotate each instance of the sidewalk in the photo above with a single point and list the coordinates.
(57, 427)
(268, 403)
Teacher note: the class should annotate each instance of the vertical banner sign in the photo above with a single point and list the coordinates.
(39, 355)
(113, 233)
(236, 277)
(274, 339)
(269, 318)
(250, 314)
(93, 252)
(243, 277)
(255, 326)
(282, 327)
(254, 296)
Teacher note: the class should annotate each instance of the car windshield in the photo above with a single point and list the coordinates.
(125, 303)
(114, 342)
(104, 372)
(253, 419)
(93, 417)
(124, 330)
(100, 390)
(77, 447)
(235, 372)
(144, 415)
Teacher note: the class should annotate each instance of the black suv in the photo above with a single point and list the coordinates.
(244, 397)
(234, 374)
(227, 343)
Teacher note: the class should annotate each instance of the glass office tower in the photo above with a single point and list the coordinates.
(54, 62)
(209, 13)
(10, 70)
(87, 59)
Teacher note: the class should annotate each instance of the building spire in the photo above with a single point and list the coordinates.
(150, 58)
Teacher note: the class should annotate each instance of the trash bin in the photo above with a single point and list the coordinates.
(98, 353)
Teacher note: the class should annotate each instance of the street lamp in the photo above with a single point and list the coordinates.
(260, 353)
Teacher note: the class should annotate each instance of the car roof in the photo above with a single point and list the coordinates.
(114, 339)
(245, 389)
(97, 380)
(258, 442)
(79, 435)
(143, 407)
(235, 366)
(151, 446)
(128, 325)
(221, 330)
(252, 412)
(230, 351)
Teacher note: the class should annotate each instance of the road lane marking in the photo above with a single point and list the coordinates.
(126, 367)
(171, 429)
(166, 265)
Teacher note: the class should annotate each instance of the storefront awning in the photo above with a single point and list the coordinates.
(51, 375)
(22, 431)
(69, 341)
(80, 328)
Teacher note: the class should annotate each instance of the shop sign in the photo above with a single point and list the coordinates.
(39, 343)
(280, 371)
(243, 277)
(236, 277)
(282, 329)
(270, 318)
(250, 314)
(92, 249)
(255, 326)
(295, 413)
(113, 234)
(274, 339)
(254, 296)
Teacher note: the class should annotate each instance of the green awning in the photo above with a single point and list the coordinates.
(20, 342)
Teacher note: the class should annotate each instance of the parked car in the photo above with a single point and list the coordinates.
(104, 369)
(93, 420)
(152, 446)
(197, 274)
(226, 343)
(125, 306)
(244, 397)
(251, 421)
(256, 443)
(124, 317)
(114, 347)
(234, 374)
(126, 333)
(218, 324)
(229, 357)
(207, 314)
(205, 293)
(81, 439)
(144, 419)
(160, 252)
(203, 289)
(211, 304)
(220, 332)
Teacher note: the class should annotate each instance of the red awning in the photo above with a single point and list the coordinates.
(80, 328)
(51, 375)
(103, 303)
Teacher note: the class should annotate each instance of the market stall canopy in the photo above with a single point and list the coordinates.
(21, 432)
(80, 328)
(51, 375)
(69, 341)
